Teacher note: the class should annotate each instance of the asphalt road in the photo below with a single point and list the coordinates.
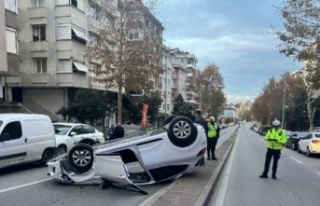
(298, 180)
(28, 185)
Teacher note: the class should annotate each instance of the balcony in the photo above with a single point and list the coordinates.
(70, 48)
(13, 80)
(39, 79)
(36, 46)
(72, 80)
(70, 14)
(37, 15)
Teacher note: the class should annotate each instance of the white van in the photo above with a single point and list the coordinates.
(26, 138)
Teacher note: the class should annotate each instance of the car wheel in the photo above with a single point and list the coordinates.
(47, 155)
(81, 157)
(182, 132)
(169, 119)
(62, 149)
(308, 153)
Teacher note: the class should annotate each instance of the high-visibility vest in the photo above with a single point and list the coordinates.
(212, 130)
(276, 138)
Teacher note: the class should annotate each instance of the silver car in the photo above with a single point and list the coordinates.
(148, 158)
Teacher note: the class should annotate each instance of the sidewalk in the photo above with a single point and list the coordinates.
(193, 189)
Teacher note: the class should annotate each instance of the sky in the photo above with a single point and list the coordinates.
(236, 35)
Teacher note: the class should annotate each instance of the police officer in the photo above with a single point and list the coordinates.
(275, 139)
(212, 137)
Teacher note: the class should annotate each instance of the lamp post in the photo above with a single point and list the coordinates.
(284, 103)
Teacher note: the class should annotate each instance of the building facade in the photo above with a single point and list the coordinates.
(9, 48)
(53, 35)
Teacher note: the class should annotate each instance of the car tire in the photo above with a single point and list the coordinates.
(308, 153)
(62, 149)
(169, 119)
(47, 155)
(81, 157)
(182, 132)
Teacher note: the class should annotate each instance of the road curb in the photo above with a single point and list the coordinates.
(205, 195)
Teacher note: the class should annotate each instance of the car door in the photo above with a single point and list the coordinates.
(77, 133)
(13, 147)
(304, 142)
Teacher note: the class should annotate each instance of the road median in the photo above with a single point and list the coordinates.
(196, 188)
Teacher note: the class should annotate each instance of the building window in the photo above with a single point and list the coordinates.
(94, 40)
(11, 5)
(38, 3)
(136, 35)
(11, 39)
(65, 66)
(130, 36)
(40, 66)
(181, 60)
(147, 22)
(39, 33)
(74, 3)
(70, 32)
(93, 10)
(168, 106)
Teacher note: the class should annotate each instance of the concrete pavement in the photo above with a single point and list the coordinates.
(194, 189)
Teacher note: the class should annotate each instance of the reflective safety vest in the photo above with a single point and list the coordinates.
(276, 138)
(212, 130)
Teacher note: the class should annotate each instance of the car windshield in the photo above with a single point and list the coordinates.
(61, 129)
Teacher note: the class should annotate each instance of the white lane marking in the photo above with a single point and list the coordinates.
(296, 160)
(24, 185)
(225, 181)
(318, 173)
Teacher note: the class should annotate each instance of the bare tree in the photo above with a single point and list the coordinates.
(301, 40)
(128, 47)
(209, 84)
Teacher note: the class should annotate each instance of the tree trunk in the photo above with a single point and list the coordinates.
(119, 104)
(311, 113)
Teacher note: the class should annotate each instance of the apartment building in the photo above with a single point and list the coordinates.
(9, 54)
(53, 35)
(185, 67)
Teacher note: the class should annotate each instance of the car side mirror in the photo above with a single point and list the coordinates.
(72, 134)
(5, 137)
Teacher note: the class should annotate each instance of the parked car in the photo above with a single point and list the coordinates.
(152, 157)
(263, 129)
(69, 134)
(310, 144)
(293, 139)
(26, 138)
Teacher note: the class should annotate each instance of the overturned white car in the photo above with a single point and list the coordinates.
(149, 158)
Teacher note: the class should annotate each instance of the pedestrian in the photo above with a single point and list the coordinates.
(111, 132)
(201, 121)
(275, 139)
(212, 137)
(118, 132)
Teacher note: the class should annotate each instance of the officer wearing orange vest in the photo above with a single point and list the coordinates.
(275, 139)
(212, 138)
